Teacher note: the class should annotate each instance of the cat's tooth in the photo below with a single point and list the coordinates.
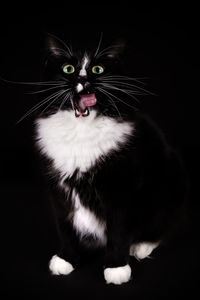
(86, 113)
(77, 113)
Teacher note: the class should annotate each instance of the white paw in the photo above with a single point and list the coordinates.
(59, 266)
(142, 250)
(117, 275)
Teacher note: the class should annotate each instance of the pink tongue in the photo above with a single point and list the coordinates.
(88, 100)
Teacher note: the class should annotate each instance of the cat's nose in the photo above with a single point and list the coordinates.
(83, 81)
(86, 85)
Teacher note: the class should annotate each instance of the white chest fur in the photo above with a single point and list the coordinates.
(77, 143)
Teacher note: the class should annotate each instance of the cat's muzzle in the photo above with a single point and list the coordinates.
(82, 102)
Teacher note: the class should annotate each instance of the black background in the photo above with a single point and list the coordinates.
(163, 45)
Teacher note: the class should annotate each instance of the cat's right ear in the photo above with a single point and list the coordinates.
(116, 50)
(55, 46)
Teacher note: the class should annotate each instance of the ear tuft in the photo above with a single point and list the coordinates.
(56, 46)
(117, 49)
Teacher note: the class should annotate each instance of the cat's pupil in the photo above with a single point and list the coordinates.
(98, 70)
(69, 69)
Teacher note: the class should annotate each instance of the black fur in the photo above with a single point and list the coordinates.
(139, 191)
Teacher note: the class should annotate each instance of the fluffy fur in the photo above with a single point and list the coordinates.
(59, 266)
(117, 275)
(115, 182)
(78, 144)
(142, 250)
(87, 223)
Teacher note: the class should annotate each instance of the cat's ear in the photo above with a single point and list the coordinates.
(56, 46)
(116, 50)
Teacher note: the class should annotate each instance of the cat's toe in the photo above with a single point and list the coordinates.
(59, 266)
(117, 275)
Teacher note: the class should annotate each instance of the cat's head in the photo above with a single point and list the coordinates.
(83, 80)
(91, 79)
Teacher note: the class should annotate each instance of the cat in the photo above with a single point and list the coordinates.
(116, 184)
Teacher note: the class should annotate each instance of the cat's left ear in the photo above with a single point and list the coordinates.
(56, 46)
(117, 49)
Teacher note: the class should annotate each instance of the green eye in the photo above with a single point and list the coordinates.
(97, 69)
(68, 69)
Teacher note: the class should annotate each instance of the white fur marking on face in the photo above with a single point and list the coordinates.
(78, 143)
(83, 67)
(79, 87)
(86, 223)
(117, 275)
(142, 250)
(59, 266)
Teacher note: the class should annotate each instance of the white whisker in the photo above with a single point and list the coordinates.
(45, 90)
(99, 44)
(119, 99)
(51, 83)
(55, 99)
(41, 103)
(125, 84)
(121, 90)
(64, 100)
(112, 102)
(104, 51)
(121, 77)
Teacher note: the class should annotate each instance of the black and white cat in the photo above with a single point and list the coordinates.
(116, 183)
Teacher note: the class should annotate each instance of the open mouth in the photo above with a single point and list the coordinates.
(82, 104)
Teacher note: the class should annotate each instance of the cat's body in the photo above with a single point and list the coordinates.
(116, 184)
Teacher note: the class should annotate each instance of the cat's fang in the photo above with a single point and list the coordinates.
(85, 113)
(77, 113)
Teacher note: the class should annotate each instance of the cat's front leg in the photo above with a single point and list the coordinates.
(117, 269)
(66, 259)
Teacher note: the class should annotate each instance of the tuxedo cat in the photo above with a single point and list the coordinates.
(115, 182)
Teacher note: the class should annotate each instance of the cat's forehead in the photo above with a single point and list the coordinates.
(79, 53)
(80, 59)
(84, 63)
(86, 56)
